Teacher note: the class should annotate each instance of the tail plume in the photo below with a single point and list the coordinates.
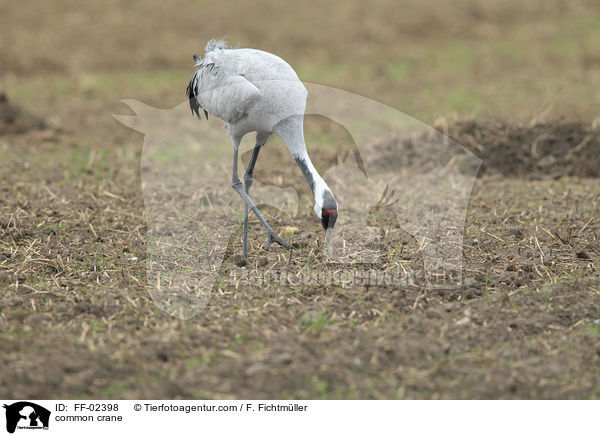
(216, 44)
(192, 88)
(192, 93)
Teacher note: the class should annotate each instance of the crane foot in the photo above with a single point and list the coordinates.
(273, 237)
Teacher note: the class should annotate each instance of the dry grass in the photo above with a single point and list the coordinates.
(76, 317)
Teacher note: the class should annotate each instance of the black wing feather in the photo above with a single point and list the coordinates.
(192, 93)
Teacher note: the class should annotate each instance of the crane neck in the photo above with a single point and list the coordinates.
(310, 173)
(320, 190)
(291, 132)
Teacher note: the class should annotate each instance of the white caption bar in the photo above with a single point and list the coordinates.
(21, 417)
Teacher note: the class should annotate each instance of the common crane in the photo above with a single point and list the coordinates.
(256, 91)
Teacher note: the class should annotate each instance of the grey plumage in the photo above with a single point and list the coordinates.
(232, 84)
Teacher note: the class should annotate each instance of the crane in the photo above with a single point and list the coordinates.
(256, 91)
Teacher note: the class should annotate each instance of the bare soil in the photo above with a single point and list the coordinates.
(77, 320)
(555, 149)
(14, 120)
(518, 86)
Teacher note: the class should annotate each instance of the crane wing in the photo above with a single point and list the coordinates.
(220, 93)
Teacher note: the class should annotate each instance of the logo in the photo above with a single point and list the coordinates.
(396, 181)
(26, 415)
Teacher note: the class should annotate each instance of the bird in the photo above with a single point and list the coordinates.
(256, 91)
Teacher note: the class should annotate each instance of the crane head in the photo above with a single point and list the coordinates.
(329, 215)
(328, 219)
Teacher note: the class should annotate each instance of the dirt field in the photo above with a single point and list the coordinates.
(517, 88)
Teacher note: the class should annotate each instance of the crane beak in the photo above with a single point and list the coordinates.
(329, 238)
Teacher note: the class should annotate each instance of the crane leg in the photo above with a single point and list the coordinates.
(261, 139)
(237, 185)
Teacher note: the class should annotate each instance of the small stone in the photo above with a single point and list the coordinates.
(464, 321)
(433, 313)
(239, 260)
(284, 358)
(448, 307)
(373, 244)
(256, 368)
(262, 261)
(582, 255)
(469, 282)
